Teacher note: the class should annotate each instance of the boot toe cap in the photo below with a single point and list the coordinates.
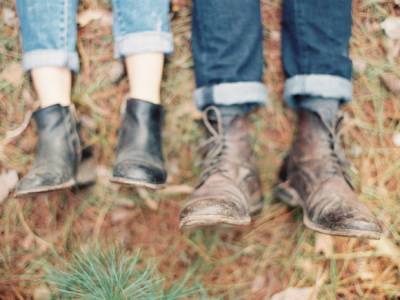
(211, 211)
(340, 212)
(41, 182)
(139, 172)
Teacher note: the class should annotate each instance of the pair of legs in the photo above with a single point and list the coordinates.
(53, 84)
(228, 55)
(49, 31)
(142, 38)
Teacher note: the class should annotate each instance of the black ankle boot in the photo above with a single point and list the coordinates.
(58, 152)
(139, 152)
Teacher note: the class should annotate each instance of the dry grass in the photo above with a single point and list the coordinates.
(276, 251)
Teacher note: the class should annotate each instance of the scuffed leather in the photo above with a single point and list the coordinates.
(315, 174)
(139, 150)
(58, 150)
(229, 187)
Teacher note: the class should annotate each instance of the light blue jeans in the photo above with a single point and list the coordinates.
(49, 30)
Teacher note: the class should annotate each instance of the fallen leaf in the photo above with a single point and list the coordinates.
(258, 284)
(359, 65)
(8, 181)
(391, 27)
(392, 48)
(116, 71)
(13, 73)
(324, 244)
(9, 17)
(120, 214)
(396, 139)
(306, 265)
(104, 17)
(392, 82)
(176, 189)
(42, 293)
(291, 293)
(385, 247)
(364, 272)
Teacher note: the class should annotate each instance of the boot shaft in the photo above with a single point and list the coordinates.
(58, 135)
(141, 129)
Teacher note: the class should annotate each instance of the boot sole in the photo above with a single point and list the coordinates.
(282, 194)
(45, 189)
(213, 221)
(136, 183)
(85, 177)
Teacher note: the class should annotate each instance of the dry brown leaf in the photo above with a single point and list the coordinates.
(391, 27)
(392, 82)
(116, 71)
(42, 293)
(13, 73)
(385, 247)
(324, 244)
(9, 17)
(396, 139)
(8, 181)
(392, 48)
(258, 284)
(104, 17)
(359, 65)
(176, 189)
(291, 293)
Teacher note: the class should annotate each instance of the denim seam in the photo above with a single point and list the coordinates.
(299, 23)
(120, 25)
(65, 24)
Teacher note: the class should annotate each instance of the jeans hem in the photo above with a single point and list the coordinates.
(317, 85)
(143, 42)
(50, 58)
(246, 92)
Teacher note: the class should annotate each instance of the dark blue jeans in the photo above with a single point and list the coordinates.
(228, 51)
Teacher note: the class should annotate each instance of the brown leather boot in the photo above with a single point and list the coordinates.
(314, 176)
(229, 190)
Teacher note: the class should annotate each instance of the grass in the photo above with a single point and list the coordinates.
(274, 253)
(112, 275)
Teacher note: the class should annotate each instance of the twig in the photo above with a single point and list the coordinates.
(41, 241)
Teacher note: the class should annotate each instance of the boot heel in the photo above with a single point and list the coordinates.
(86, 174)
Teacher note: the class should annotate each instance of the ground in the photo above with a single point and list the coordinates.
(276, 252)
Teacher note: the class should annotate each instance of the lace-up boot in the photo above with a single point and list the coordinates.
(314, 176)
(229, 190)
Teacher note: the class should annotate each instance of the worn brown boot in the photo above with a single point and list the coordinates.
(314, 176)
(229, 190)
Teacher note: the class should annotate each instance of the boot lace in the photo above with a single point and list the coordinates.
(215, 148)
(338, 164)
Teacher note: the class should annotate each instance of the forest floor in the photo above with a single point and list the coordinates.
(272, 255)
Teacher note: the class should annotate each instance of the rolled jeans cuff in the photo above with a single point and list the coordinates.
(318, 86)
(249, 92)
(50, 58)
(143, 42)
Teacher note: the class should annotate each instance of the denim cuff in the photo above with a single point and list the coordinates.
(143, 42)
(246, 92)
(50, 58)
(315, 85)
